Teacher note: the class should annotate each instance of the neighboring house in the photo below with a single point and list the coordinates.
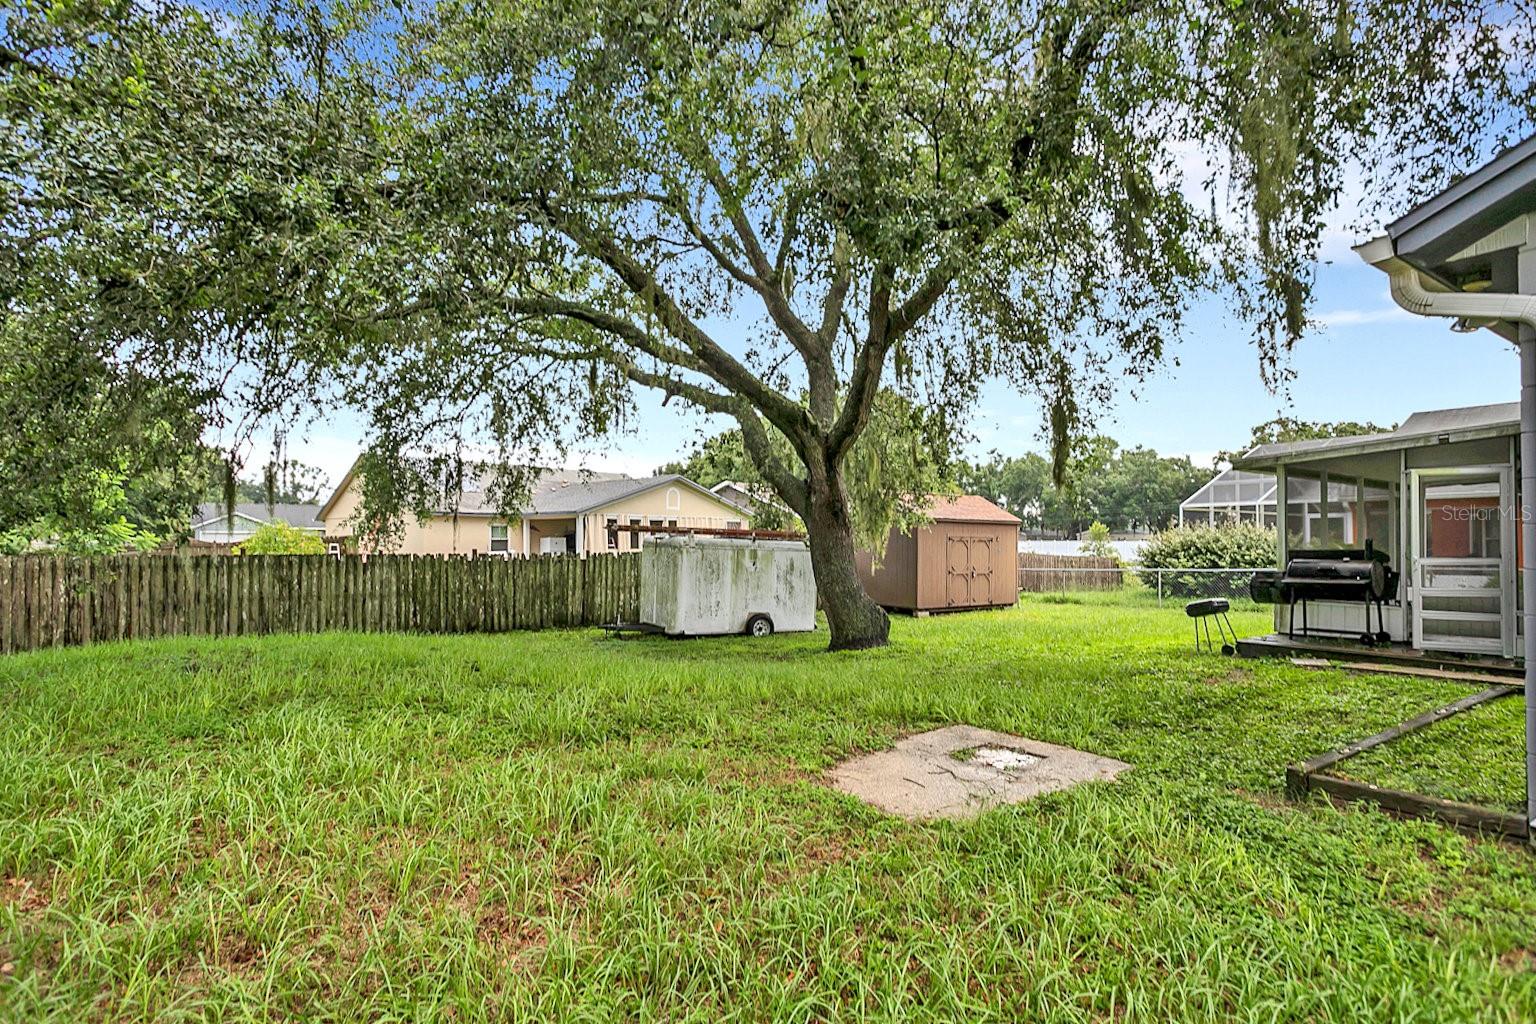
(569, 512)
(213, 522)
(748, 496)
(1232, 496)
(738, 493)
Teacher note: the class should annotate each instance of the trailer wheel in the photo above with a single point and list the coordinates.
(759, 625)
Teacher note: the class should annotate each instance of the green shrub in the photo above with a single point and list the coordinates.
(1097, 545)
(88, 539)
(276, 538)
(1236, 546)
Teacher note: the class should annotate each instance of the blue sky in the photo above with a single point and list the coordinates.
(1367, 360)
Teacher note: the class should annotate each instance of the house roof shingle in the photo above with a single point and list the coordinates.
(305, 516)
(562, 492)
(554, 492)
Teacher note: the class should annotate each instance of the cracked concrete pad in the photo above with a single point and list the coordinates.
(959, 771)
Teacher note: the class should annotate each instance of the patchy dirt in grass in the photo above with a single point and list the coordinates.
(1229, 677)
(1519, 960)
(24, 896)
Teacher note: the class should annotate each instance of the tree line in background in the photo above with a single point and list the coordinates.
(100, 459)
(1129, 490)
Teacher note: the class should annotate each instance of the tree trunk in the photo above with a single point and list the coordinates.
(855, 621)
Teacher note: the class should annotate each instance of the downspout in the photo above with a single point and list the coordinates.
(1472, 311)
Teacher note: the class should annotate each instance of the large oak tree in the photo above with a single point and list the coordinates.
(491, 220)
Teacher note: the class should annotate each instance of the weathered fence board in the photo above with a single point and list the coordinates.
(1041, 573)
(53, 601)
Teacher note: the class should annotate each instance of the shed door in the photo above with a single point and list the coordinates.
(968, 571)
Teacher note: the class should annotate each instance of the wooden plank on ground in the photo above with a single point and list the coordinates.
(1333, 757)
(1465, 816)
(1373, 667)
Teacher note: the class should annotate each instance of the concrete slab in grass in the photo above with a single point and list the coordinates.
(959, 771)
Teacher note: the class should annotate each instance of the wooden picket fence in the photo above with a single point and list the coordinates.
(52, 601)
(1040, 573)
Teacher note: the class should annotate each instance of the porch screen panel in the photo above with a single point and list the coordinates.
(1303, 510)
(1461, 589)
(1378, 517)
(1344, 515)
(1462, 520)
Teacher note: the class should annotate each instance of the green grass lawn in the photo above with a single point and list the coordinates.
(1477, 757)
(561, 826)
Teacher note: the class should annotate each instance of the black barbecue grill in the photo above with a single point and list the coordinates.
(1350, 574)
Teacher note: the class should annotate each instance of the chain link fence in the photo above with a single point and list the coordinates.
(1154, 585)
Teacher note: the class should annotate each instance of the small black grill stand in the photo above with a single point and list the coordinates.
(1202, 612)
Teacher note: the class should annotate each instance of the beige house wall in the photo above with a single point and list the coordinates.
(439, 535)
(471, 534)
(660, 505)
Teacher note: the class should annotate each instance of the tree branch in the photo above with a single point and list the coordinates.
(982, 222)
(754, 435)
(766, 279)
(868, 363)
(789, 416)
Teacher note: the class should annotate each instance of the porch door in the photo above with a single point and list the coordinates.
(1464, 564)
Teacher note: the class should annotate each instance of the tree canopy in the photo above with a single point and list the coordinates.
(95, 456)
(1287, 428)
(484, 222)
(1125, 489)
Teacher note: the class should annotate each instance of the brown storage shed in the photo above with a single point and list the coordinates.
(966, 558)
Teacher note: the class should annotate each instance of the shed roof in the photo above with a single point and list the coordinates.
(968, 508)
(1422, 428)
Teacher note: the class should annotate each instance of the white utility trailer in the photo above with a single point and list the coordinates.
(709, 586)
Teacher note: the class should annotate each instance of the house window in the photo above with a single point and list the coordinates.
(634, 535)
(613, 533)
(499, 538)
(733, 524)
(674, 499)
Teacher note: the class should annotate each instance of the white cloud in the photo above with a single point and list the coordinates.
(1356, 317)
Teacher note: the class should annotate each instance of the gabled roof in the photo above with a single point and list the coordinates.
(1233, 487)
(968, 508)
(555, 492)
(587, 496)
(304, 516)
(1477, 205)
(1436, 426)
